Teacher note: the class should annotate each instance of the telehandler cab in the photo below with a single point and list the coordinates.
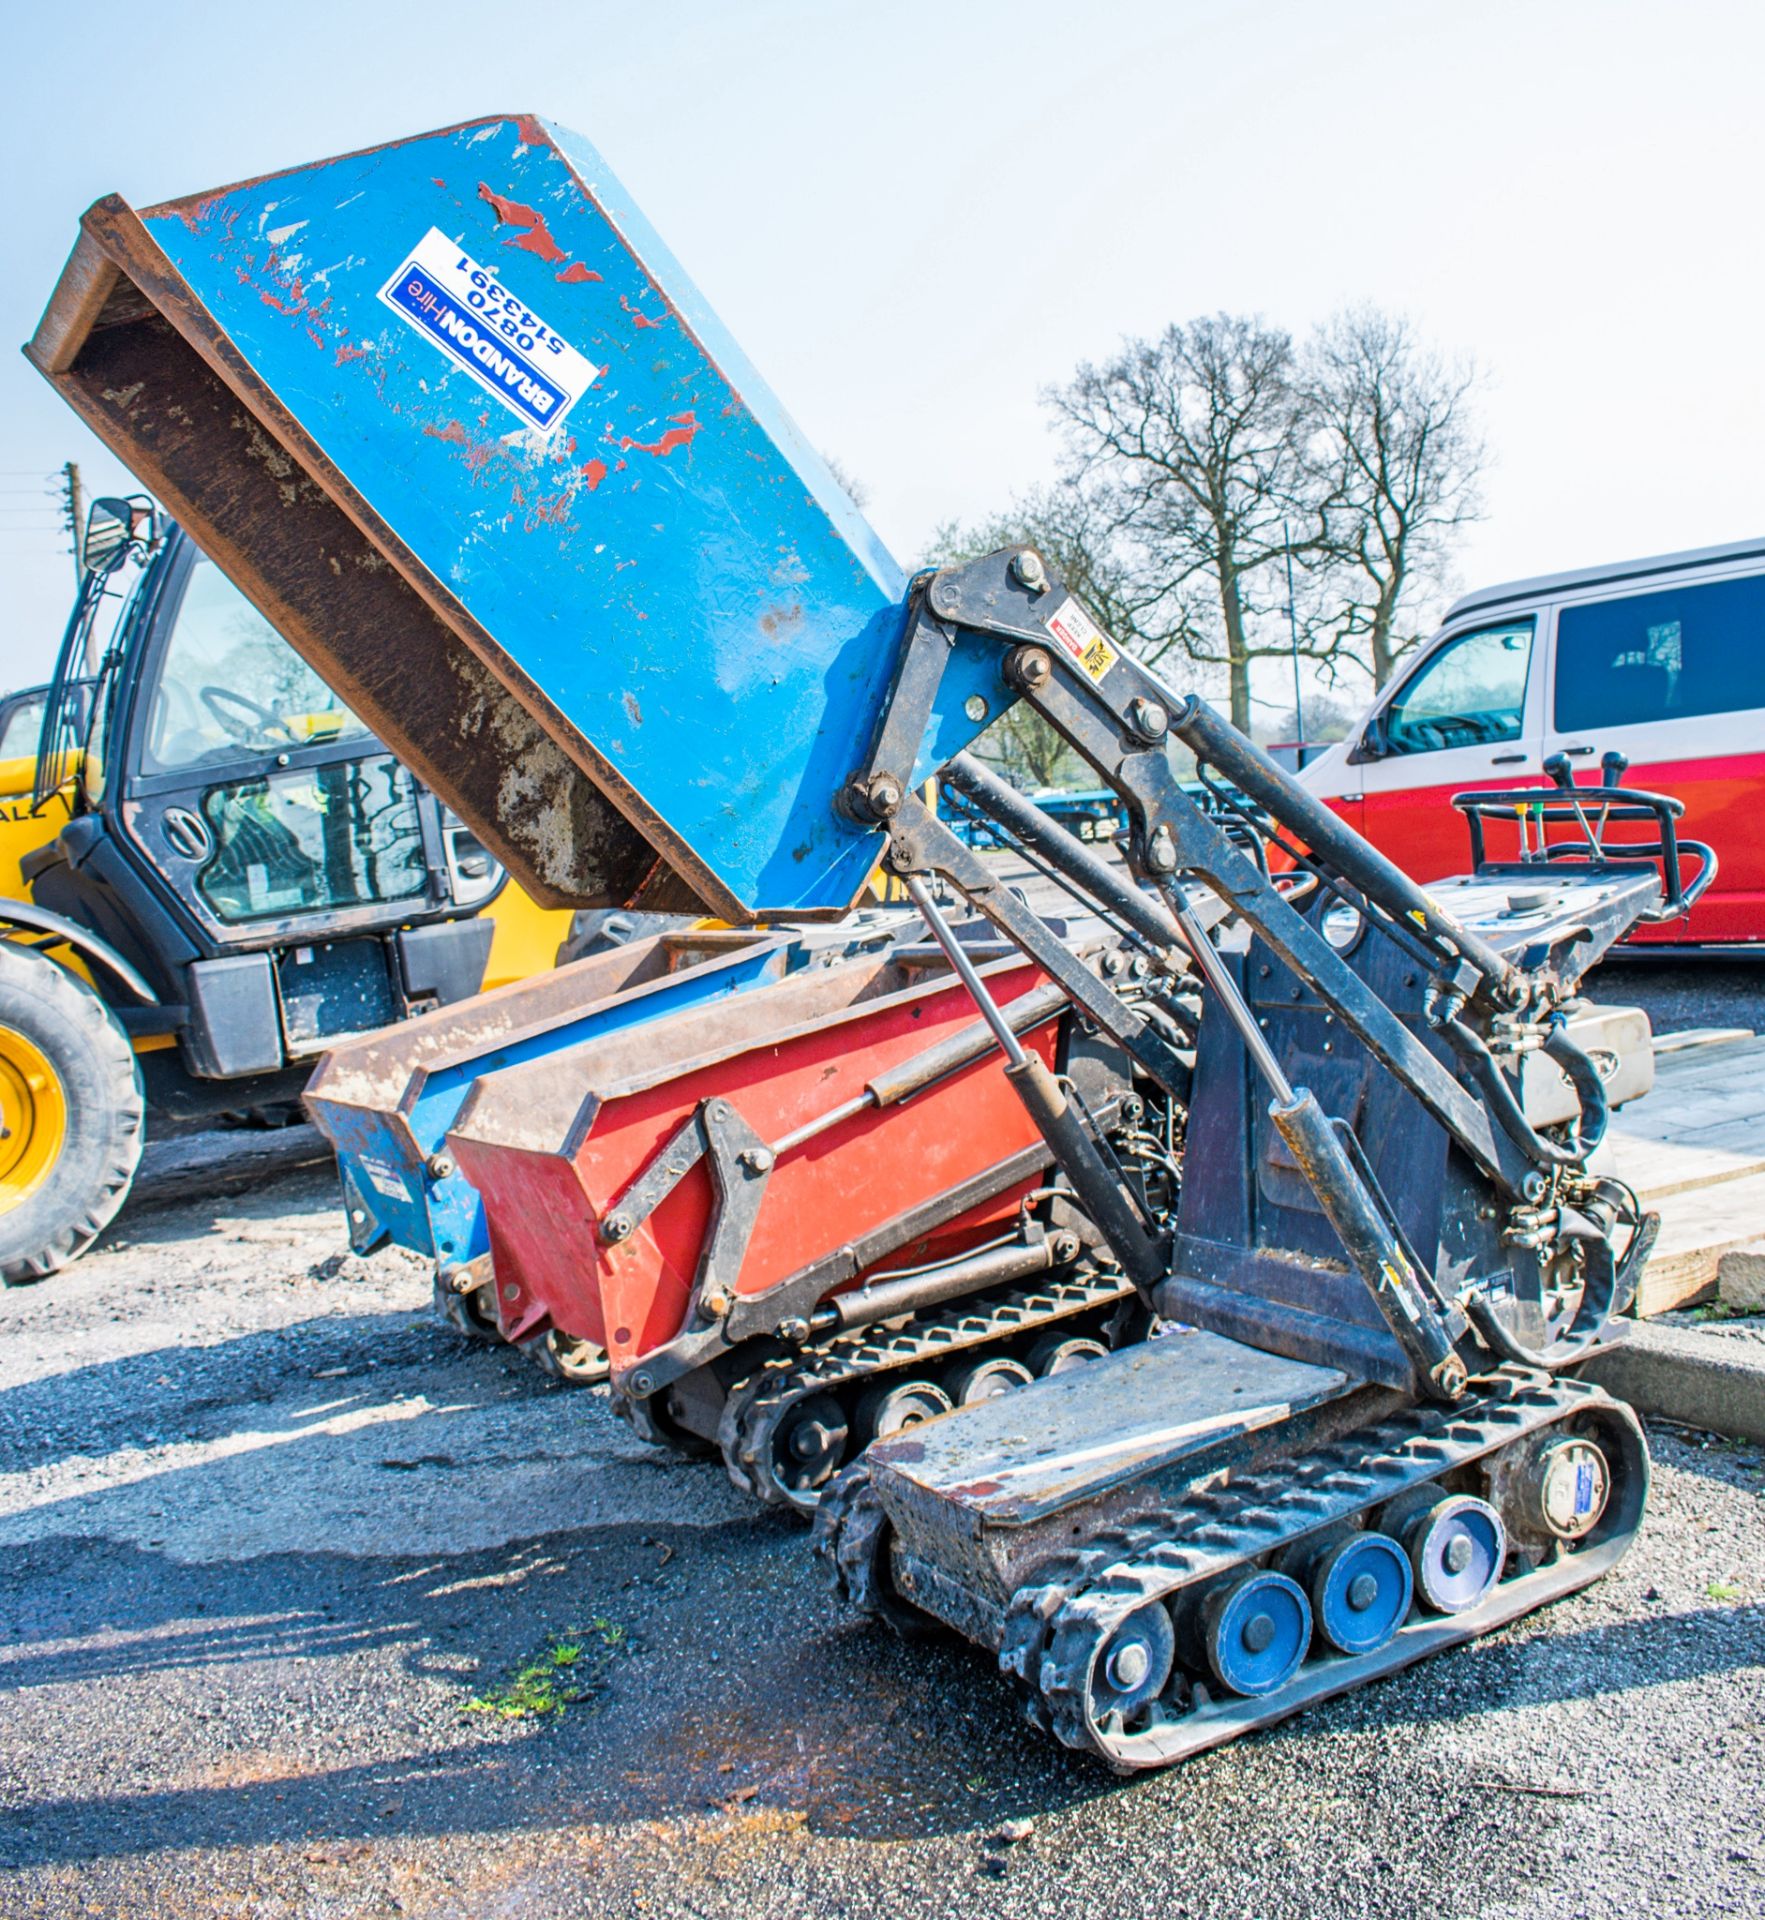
(210, 870)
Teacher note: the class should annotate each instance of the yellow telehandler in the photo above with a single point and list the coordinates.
(210, 870)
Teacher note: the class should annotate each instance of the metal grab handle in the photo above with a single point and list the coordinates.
(1564, 802)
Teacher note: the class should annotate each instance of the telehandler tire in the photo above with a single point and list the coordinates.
(71, 1115)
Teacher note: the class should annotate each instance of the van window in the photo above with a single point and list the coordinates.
(1661, 656)
(1471, 693)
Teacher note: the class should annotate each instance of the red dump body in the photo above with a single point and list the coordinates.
(553, 1147)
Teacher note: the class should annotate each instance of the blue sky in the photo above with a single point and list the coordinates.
(915, 215)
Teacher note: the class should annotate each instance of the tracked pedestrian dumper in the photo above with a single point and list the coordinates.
(452, 416)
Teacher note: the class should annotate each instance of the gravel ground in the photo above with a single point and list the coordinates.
(270, 1532)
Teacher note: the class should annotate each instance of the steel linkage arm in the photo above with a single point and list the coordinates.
(1119, 719)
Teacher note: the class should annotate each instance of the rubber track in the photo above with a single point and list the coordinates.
(1056, 1628)
(756, 1405)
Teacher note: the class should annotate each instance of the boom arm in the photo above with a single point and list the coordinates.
(1120, 718)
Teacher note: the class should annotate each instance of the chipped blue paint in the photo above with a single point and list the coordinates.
(674, 567)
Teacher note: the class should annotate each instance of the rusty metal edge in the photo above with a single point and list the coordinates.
(749, 1036)
(119, 235)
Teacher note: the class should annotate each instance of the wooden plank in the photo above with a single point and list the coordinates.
(1697, 1228)
(1694, 1150)
(1690, 1039)
(1656, 1168)
(1689, 1053)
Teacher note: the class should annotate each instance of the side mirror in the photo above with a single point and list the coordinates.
(1374, 743)
(113, 526)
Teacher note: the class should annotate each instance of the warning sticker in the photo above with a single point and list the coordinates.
(1081, 636)
(466, 311)
(384, 1178)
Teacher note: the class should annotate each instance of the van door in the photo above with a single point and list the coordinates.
(1675, 681)
(1468, 715)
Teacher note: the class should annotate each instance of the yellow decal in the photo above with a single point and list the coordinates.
(1081, 636)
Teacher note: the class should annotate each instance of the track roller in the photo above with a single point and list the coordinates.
(1456, 1545)
(1254, 1628)
(887, 1409)
(578, 1363)
(1060, 1353)
(1360, 1588)
(985, 1378)
(1135, 1664)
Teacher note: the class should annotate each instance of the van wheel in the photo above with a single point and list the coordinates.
(71, 1114)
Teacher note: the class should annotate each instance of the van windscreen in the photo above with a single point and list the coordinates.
(1671, 655)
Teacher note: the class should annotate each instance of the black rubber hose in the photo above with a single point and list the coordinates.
(1598, 1302)
(1584, 1077)
(1498, 1096)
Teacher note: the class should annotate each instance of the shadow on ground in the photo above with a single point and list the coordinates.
(737, 1682)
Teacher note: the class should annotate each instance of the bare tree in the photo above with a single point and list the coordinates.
(1401, 464)
(1199, 449)
(856, 491)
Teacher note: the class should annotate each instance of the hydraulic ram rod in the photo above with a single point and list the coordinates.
(1099, 1187)
(1251, 770)
(1025, 821)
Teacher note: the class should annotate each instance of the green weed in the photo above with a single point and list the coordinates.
(569, 1669)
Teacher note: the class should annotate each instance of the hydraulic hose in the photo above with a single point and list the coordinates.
(1584, 1077)
(1598, 1302)
(1498, 1096)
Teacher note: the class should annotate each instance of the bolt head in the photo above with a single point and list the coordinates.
(975, 706)
(439, 1166)
(618, 1226)
(757, 1159)
(884, 794)
(1030, 572)
(1455, 1556)
(1161, 851)
(1129, 1666)
(717, 1305)
(1031, 668)
(1149, 718)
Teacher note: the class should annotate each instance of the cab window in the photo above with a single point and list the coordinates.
(231, 687)
(22, 726)
(1662, 656)
(1471, 694)
(315, 839)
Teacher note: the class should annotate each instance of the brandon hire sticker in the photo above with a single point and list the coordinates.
(466, 311)
(1081, 636)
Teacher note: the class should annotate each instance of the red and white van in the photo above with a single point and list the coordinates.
(1661, 660)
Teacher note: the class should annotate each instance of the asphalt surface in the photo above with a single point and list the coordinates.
(1686, 993)
(269, 1531)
